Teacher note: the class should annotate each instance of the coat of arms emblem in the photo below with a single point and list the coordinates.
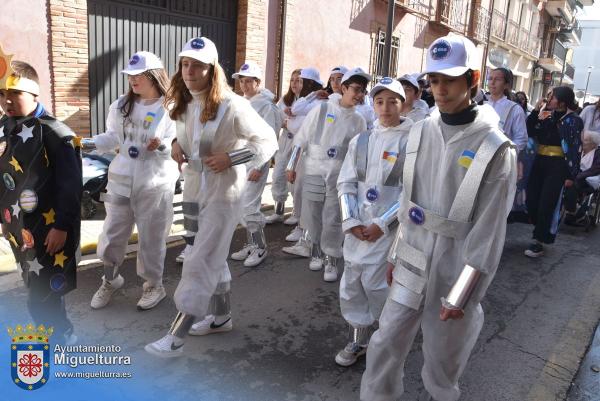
(30, 355)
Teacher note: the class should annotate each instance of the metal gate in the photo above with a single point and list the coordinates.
(117, 29)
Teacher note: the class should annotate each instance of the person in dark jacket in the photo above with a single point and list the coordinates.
(590, 167)
(557, 130)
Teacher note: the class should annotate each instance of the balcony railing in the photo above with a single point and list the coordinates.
(533, 47)
(554, 50)
(498, 25)
(570, 71)
(512, 33)
(419, 6)
(523, 39)
(480, 27)
(454, 14)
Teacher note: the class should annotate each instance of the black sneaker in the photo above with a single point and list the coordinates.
(535, 250)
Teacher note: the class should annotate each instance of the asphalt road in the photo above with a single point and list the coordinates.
(540, 317)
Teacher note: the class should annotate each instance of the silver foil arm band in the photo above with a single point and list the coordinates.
(348, 206)
(240, 156)
(390, 218)
(88, 143)
(463, 288)
(294, 158)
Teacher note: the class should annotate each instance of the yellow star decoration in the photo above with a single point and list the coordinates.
(17, 381)
(49, 216)
(43, 380)
(13, 162)
(59, 259)
(45, 347)
(14, 365)
(76, 141)
(30, 387)
(30, 347)
(14, 347)
(13, 240)
(5, 67)
(46, 364)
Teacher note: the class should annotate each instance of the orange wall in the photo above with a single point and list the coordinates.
(25, 34)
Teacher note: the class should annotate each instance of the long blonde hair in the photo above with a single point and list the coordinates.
(179, 95)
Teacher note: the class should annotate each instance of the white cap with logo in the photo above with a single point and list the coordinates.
(201, 49)
(451, 55)
(389, 84)
(311, 73)
(141, 62)
(410, 78)
(356, 71)
(248, 69)
(340, 69)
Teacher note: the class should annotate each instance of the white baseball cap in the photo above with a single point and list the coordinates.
(356, 71)
(248, 69)
(201, 49)
(340, 69)
(410, 79)
(389, 84)
(141, 62)
(311, 73)
(451, 55)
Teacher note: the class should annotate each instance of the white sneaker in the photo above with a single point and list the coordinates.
(167, 347)
(181, 257)
(330, 274)
(350, 354)
(243, 253)
(274, 218)
(315, 264)
(298, 249)
(256, 257)
(151, 297)
(295, 235)
(208, 326)
(291, 221)
(102, 297)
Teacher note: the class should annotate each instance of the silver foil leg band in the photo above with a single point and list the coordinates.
(181, 325)
(348, 206)
(294, 158)
(315, 251)
(360, 335)
(220, 304)
(258, 238)
(240, 156)
(111, 272)
(336, 262)
(279, 208)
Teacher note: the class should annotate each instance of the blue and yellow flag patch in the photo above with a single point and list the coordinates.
(390, 156)
(466, 158)
(330, 118)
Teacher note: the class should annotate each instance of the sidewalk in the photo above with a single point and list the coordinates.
(92, 228)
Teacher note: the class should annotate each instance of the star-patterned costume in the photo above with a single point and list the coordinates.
(41, 189)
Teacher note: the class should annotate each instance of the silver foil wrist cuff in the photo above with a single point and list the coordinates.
(463, 288)
(240, 156)
(294, 158)
(348, 206)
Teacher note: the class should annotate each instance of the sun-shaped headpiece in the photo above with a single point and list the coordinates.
(5, 67)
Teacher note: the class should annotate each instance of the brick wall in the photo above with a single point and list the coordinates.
(69, 63)
(251, 26)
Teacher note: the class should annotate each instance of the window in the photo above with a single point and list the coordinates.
(378, 52)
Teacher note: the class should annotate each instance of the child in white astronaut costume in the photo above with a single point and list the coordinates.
(369, 187)
(325, 135)
(279, 184)
(261, 100)
(220, 131)
(312, 95)
(458, 186)
(413, 108)
(141, 180)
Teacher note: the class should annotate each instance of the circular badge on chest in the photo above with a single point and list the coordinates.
(133, 152)
(416, 215)
(28, 200)
(9, 182)
(290, 135)
(372, 195)
(332, 152)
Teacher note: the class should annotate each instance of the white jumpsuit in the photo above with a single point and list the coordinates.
(363, 287)
(219, 196)
(325, 150)
(512, 120)
(442, 229)
(253, 218)
(140, 187)
(279, 185)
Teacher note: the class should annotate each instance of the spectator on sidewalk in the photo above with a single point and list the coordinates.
(141, 181)
(591, 117)
(40, 163)
(557, 130)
